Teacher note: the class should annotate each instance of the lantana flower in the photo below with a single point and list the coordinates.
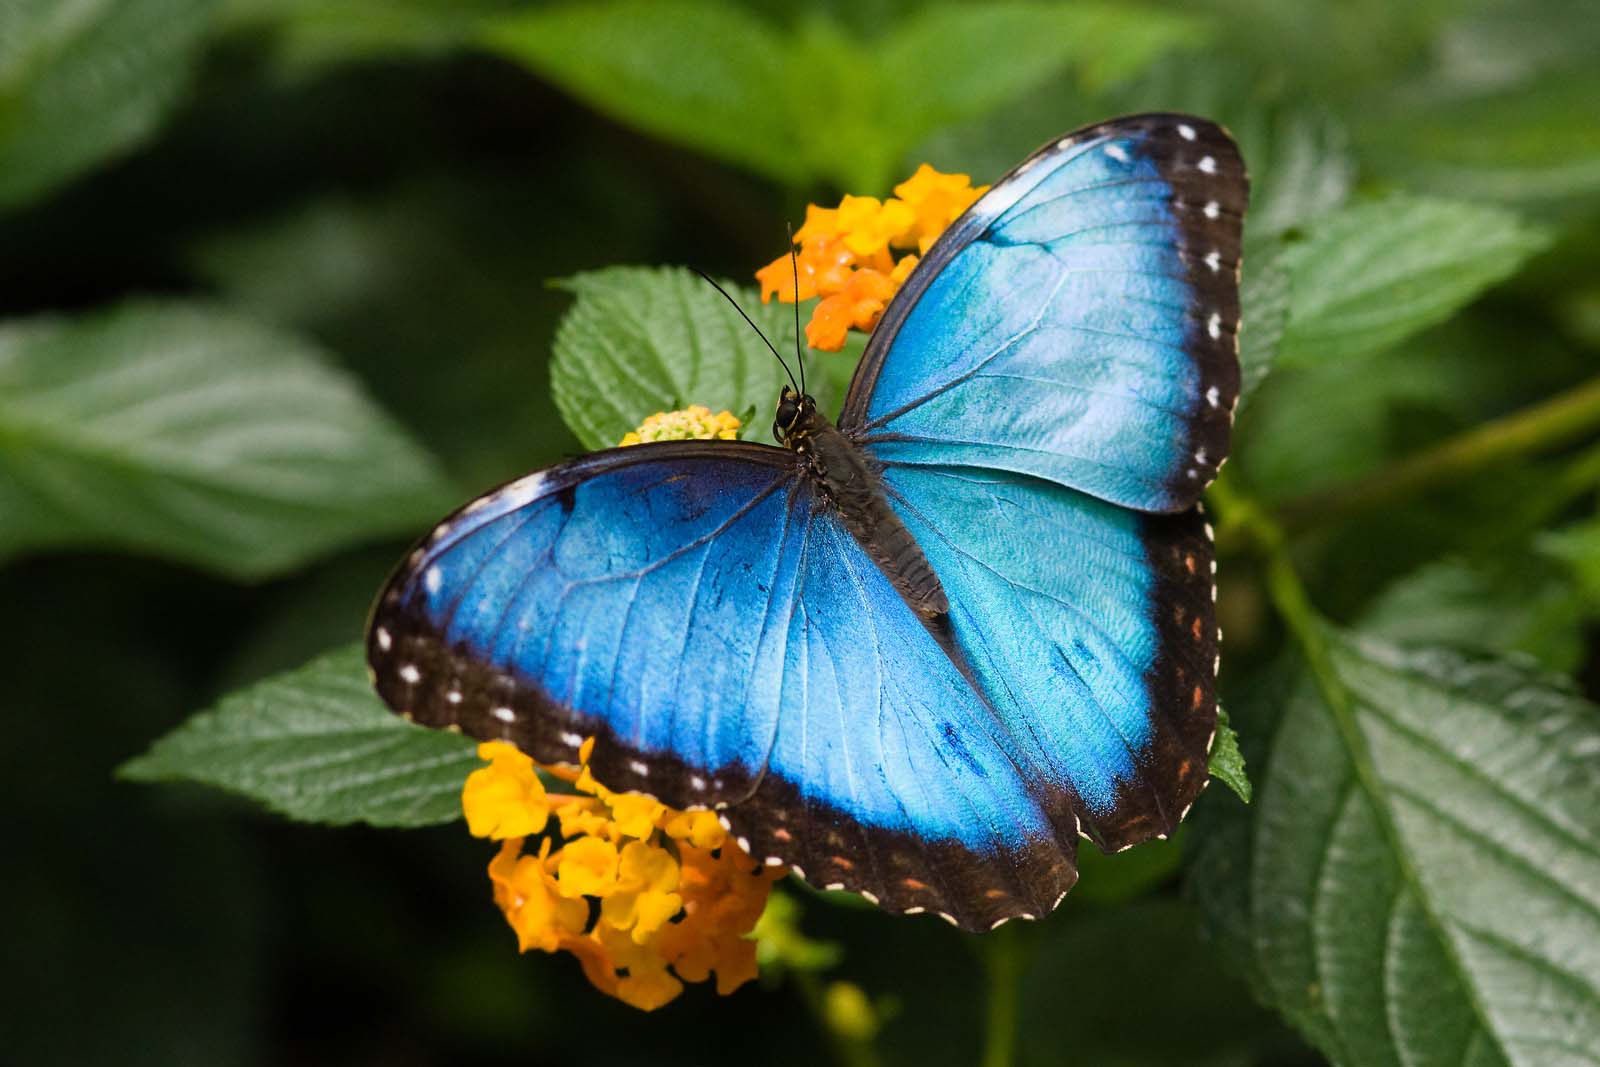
(848, 254)
(646, 897)
(694, 421)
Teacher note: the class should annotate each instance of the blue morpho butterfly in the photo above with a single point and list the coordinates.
(917, 654)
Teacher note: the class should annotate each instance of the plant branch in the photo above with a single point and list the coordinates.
(1546, 424)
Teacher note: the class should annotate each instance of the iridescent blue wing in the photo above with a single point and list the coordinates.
(728, 644)
(1077, 324)
(1066, 353)
(1089, 629)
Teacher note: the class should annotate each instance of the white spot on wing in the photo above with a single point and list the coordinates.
(384, 640)
(1214, 325)
(1214, 397)
(1185, 131)
(410, 675)
(1208, 165)
(639, 767)
(1214, 260)
(522, 490)
(504, 714)
(454, 696)
(1117, 152)
(433, 579)
(569, 738)
(1212, 209)
(869, 897)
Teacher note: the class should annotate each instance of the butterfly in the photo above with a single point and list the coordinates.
(918, 653)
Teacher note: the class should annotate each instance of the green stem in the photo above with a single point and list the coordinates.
(1002, 953)
(1544, 425)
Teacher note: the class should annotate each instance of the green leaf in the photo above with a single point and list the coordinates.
(306, 36)
(1373, 274)
(80, 82)
(632, 60)
(317, 745)
(1418, 879)
(1577, 546)
(1227, 762)
(937, 68)
(190, 433)
(1517, 602)
(815, 102)
(1264, 314)
(640, 340)
(1505, 112)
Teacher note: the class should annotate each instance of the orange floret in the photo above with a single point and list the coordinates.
(845, 253)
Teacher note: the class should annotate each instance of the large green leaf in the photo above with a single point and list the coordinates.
(1375, 273)
(1264, 313)
(640, 340)
(1517, 602)
(1418, 880)
(1505, 111)
(813, 102)
(82, 81)
(316, 744)
(197, 435)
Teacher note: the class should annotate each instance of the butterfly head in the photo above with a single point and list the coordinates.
(796, 412)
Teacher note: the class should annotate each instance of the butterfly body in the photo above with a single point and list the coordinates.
(847, 481)
(918, 653)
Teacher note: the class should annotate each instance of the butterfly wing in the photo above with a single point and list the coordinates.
(1067, 352)
(1090, 630)
(728, 644)
(1077, 324)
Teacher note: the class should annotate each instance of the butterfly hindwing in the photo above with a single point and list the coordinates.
(1090, 630)
(1078, 324)
(728, 644)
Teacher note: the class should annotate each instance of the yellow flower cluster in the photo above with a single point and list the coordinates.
(645, 897)
(847, 253)
(694, 421)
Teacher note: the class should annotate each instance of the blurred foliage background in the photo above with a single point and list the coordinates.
(273, 278)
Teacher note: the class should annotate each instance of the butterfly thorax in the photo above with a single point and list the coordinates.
(846, 480)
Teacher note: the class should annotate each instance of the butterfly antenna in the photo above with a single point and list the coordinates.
(709, 280)
(794, 263)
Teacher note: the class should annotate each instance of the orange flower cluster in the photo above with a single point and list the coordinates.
(847, 253)
(645, 897)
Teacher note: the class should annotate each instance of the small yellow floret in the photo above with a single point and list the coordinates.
(506, 798)
(588, 867)
(693, 422)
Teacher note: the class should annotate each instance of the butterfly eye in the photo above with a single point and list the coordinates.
(788, 412)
